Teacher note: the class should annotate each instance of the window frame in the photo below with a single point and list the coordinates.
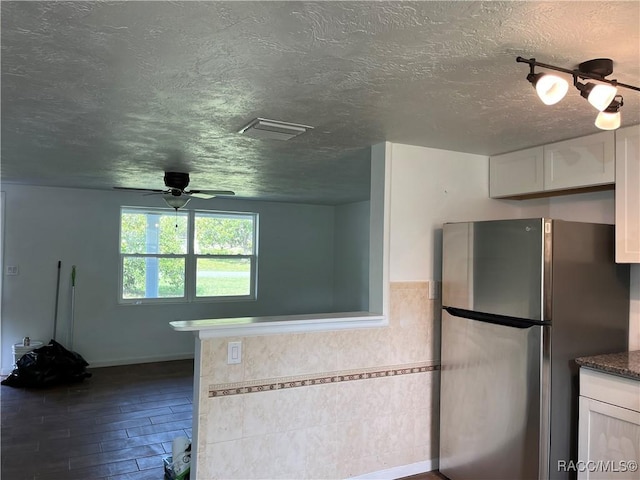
(190, 259)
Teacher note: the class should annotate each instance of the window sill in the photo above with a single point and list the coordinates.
(247, 326)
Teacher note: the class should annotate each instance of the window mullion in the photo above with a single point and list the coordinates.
(190, 264)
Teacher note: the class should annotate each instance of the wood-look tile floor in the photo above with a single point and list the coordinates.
(116, 425)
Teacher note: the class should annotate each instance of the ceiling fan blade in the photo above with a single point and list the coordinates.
(206, 194)
(156, 192)
(139, 189)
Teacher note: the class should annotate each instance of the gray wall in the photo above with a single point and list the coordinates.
(351, 257)
(81, 227)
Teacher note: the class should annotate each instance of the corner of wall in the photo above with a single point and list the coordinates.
(379, 228)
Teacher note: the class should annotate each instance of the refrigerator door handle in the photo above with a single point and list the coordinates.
(514, 322)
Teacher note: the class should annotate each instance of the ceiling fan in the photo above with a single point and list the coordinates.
(176, 194)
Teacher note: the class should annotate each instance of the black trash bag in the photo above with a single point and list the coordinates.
(47, 366)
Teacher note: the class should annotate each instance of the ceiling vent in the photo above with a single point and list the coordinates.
(273, 129)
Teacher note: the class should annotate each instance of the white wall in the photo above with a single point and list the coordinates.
(351, 257)
(81, 227)
(430, 187)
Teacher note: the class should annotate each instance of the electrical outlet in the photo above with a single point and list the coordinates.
(12, 270)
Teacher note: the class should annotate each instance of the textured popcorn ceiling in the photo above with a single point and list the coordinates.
(99, 94)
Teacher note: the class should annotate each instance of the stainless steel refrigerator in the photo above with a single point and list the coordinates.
(522, 299)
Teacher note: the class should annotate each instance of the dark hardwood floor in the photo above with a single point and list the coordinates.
(116, 425)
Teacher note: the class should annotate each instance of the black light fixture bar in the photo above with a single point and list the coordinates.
(576, 73)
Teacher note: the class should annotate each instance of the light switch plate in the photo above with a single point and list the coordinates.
(12, 269)
(234, 353)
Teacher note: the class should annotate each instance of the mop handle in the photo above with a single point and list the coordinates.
(55, 313)
(73, 276)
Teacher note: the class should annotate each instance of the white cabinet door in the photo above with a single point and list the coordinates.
(580, 162)
(608, 441)
(628, 195)
(516, 173)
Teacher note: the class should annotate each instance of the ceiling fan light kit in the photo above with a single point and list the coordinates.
(175, 202)
(176, 195)
(602, 95)
(273, 129)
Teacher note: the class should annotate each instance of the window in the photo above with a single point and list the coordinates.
(186, 255)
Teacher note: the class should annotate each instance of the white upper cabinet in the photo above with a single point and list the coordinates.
(516, 173)
(628, 195)
(580, 163)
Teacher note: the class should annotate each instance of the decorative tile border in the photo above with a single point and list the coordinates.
(228, 389)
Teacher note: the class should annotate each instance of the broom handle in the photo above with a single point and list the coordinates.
(73, 304)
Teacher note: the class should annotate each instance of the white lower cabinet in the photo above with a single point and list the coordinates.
(609, 427)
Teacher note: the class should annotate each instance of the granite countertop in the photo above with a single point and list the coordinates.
(626, 364)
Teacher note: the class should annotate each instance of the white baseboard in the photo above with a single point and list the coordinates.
(400, 472)
(134, 360)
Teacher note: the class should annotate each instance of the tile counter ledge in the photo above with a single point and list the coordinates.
(245, 326)
(625, 364)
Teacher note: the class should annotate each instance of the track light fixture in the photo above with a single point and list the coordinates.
(550, 88)
(602, 95)
(610, 118)
(597, 94)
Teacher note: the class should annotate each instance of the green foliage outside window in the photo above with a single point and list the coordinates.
(170, 239)
(223, 236)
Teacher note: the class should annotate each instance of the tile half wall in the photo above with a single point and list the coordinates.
(323, 404)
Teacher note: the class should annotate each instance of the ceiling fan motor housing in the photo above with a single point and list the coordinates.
(176, 181)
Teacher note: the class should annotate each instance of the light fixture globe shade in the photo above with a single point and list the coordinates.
(608, 120)
(176, 202)
(551, 88)
(601, 96)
